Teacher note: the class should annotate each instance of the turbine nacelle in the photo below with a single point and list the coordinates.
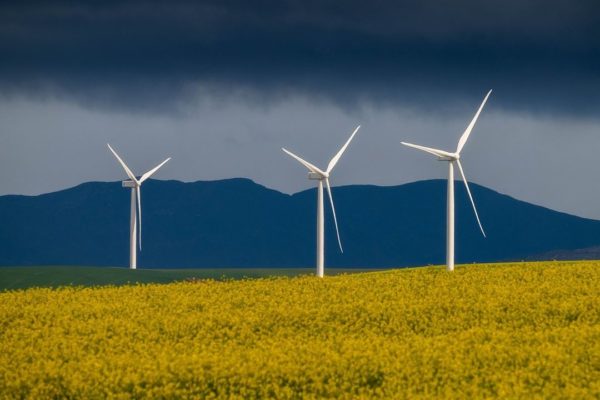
(129, 184)
(315, 176)
(454, 157)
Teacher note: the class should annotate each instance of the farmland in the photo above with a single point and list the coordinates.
(56, 276)
(500, 330)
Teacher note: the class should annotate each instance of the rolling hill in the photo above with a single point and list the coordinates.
(238, 223)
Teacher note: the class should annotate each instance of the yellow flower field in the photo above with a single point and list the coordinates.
(504, 330)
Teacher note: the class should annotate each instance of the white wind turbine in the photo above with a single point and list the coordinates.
(136, 197)
(454, 158)
(319, 175)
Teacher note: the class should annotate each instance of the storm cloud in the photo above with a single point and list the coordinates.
(542, 56)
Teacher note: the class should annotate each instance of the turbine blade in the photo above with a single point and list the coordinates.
(336, 158)
(138, 194)
(467, 132)
(152, 171)
(308, 165)
(125, 167)
(435, 152)
(337, 231)
(464, 178)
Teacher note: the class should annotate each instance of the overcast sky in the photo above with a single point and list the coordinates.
(221, 86)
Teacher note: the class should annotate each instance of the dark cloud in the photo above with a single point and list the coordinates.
(538, 55)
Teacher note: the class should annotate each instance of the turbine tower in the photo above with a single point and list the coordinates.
(320, 176)
(136, 198)
(453, 158)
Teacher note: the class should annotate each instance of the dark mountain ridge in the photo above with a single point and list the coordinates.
(238, 223)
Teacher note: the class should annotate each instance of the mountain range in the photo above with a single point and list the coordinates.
(238, 223)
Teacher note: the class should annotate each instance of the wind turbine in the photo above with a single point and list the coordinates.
(320, 176)
(454, 158)
(136, 197)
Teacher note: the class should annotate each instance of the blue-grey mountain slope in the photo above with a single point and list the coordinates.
(237, 223)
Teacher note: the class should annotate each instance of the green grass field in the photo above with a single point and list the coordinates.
(55, 276)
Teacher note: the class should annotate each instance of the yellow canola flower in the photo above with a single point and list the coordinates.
(523, 330)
